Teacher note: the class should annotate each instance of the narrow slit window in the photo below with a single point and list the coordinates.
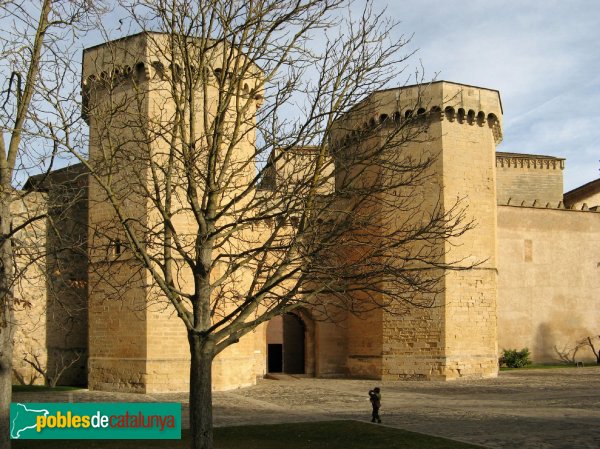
(116, 248)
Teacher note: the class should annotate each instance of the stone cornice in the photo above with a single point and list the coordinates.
(417, 118)
(529, 161)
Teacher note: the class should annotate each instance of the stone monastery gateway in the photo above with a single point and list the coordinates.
(537, 287)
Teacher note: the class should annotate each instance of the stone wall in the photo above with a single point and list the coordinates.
(365, 340)
(118, 327)
(529, 177)
(30, 292)
(331, 348)
(168, 356)
(67, 269)
(414, 338)
(470, 296)
(548, 280)
(52, 331)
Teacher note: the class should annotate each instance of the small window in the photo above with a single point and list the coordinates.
(159, 70)
(140, 72)
(116, 248)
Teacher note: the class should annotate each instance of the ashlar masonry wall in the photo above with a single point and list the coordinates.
(30, 340)
(528, 178)
(137, 342)
(454, 334)
(51, 292)
(548, 280)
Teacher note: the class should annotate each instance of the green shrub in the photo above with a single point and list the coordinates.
(515, 359)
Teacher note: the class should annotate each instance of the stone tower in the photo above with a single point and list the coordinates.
(137, 343)
(457, 127)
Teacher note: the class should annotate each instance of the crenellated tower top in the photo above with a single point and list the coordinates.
(154, 57)
(439, 100)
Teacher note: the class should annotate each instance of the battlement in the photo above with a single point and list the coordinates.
(519, 160)
(440, 100)
(139, 58)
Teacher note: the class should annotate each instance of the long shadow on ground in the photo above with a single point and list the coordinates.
(320, 435)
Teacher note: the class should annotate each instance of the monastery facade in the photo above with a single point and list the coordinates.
(535, 284)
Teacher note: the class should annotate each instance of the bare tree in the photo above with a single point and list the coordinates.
(38, 114)
(239, 180)
(568, 354)
(52, 374)
(588, 341)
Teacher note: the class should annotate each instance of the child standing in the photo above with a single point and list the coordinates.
(375, 398)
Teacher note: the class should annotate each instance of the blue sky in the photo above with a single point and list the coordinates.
(543, 57)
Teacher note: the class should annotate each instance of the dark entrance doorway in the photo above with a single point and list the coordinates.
(286, 345)
(275, 358)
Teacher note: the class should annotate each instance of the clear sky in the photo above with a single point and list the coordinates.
(543, 57)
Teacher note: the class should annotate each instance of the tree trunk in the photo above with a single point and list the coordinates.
(201, 423)
(5, 382)
(6, 318)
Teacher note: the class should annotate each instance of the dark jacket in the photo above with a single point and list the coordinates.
(375, 399)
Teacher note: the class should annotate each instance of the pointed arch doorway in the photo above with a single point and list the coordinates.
(286, 345)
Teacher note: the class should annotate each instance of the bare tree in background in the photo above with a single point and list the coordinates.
(569, 354)
(227, 186)
(588, 341)
(39, 112)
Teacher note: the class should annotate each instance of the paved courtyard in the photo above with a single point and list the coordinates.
(553, 408)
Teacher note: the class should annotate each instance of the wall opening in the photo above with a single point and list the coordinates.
(286, 345)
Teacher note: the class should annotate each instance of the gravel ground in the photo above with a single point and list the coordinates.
(553, 408)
